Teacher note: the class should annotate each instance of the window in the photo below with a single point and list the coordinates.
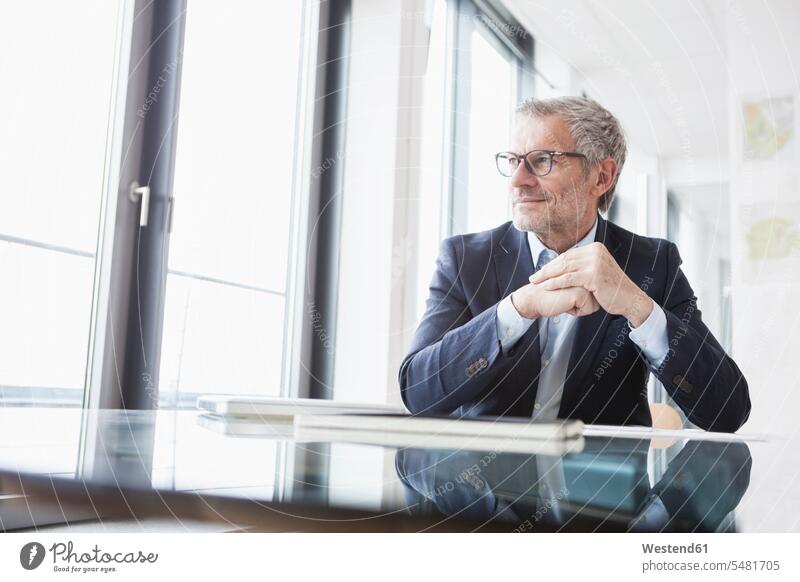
(225, 311)
(281, 156)
(56, 127)
(492, 99)
(492, 75)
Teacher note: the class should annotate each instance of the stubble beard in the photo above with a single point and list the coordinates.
(547, 224)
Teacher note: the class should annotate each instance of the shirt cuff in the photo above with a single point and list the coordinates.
(651, 336)
(510, 324)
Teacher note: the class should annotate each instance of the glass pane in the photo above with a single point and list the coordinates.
(491, 106)
(55, 104)
(55, 115)
(223, 329)
(45, 312)
(220, 339)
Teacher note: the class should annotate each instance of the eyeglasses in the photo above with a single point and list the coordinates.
(538, 162)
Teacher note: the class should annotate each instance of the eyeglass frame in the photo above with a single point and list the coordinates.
(528, 167)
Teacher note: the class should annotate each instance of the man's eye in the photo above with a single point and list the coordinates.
(541, 160)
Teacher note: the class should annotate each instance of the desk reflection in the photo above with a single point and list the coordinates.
(604, 487)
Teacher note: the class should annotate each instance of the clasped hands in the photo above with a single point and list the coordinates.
(579, 282)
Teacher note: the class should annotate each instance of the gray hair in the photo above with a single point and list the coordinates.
(597, 133)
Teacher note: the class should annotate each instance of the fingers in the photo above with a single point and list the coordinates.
(585, 303)
(575, 301)
(561, 265)
(565, 281)
(551, 303)
(554, 303)
(554, 268)
(589, 307)
(569, 261)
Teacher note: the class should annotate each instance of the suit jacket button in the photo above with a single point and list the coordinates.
(681, 383)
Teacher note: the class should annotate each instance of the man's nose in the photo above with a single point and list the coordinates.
(522, 177)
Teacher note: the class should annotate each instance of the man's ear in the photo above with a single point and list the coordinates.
(606, 173)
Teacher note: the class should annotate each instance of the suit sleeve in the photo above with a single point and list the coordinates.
(696, 372)
(454, 356)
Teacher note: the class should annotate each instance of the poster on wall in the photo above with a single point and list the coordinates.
(772, 241)
(769, 129)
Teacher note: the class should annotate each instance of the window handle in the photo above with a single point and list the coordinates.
(141, 192)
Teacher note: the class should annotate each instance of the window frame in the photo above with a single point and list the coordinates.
(128, 313)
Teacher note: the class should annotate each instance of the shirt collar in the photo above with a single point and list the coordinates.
(538, 246)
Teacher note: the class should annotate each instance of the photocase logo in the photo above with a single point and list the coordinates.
(31, 555)
(67, 558)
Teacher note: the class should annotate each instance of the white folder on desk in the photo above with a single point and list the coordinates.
(272, 407)
(501, 434)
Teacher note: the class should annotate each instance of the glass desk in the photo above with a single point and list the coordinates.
(65, 465)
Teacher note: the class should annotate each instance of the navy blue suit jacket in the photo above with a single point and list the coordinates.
(456, 366)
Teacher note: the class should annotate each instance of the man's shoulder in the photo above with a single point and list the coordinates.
(483, 240)
(638, 245)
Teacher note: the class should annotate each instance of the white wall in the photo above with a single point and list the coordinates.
(762, 46)
(766, 338)
(641, 195)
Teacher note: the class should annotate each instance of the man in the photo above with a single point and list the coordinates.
(560, 313)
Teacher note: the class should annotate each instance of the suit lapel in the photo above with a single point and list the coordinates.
(512, 260)
(589, 335)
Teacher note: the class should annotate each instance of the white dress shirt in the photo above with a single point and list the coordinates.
(557, 336)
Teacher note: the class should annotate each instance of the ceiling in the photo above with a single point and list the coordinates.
(659, 66)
